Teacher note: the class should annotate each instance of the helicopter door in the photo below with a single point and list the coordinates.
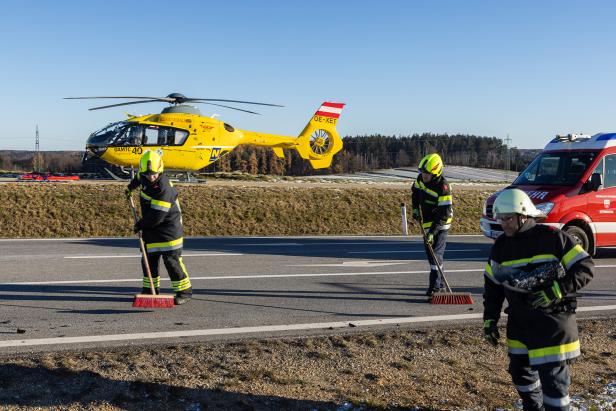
(162, 137)
(135, 136)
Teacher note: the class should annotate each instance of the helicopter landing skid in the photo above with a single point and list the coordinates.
(182, 178)
(115, 177)
(187, 177)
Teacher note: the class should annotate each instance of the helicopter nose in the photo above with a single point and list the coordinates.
(94, 151)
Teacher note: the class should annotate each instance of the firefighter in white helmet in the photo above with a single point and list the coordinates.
(432, 205)
(161, 225)
(538, 269)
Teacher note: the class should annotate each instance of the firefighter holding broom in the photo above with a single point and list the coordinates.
(161, 226)
(538, 269)
(432, 207)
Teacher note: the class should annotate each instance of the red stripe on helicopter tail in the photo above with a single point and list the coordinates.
(332, 110)
(334, 105)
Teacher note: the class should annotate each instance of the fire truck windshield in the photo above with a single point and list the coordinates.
(558, 168)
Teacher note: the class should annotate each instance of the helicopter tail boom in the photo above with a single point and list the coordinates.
(319, 140)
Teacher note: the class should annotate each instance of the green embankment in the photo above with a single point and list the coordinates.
(93, 210)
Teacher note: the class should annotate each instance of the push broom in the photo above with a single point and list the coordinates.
(447, 297)
(147, 300)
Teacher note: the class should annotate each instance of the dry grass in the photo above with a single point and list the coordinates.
(93, 210)
(436, 369)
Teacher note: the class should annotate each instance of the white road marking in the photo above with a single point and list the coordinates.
(263, 276)
(241, 277)
(409, 251)
(268, 244)
(370, 243)
(256, 329)
(353, 264)
(139, 255)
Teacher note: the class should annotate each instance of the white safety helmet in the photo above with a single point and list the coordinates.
(515, 201)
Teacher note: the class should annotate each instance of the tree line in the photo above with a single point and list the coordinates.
(364, 153)
(360, 153)
(54, 161)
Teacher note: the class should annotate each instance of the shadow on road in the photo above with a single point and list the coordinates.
(19, 295)
(38, 292)
(40, 386)
(115, 294)
(347, 248)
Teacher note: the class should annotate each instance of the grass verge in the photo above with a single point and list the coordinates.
(97, 210)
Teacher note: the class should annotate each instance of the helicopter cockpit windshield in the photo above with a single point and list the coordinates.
(103, 136)
(126, 133)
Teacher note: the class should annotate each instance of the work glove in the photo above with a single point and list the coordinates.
(430, 238)
(416, 215)
(128, 193)
(548, 296)
(137, 227)
(490, 332)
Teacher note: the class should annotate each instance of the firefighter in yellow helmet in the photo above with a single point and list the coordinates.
(161, 226)
(538, 269)
(432, 205)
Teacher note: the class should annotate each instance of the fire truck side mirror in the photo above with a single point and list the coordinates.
(595, 182)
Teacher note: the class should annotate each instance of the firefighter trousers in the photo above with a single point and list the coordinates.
(541, 387)
(180, 281)
(440, 242)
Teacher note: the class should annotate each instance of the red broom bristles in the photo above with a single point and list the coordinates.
(153, 301)
(451, 298)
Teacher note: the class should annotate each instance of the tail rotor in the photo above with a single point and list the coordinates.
(319, 140)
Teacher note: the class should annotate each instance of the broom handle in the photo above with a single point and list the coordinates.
(438, 267)
(432, 254)
(142, 246)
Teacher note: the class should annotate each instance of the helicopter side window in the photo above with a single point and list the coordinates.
(151, 136)
(179, 137)
(164, 136)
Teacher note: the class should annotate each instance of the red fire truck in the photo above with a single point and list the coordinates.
(573, 181)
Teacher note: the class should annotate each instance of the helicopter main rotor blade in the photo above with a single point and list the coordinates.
(141, 98)
(232, 108)
(123, 104)
(202, 100)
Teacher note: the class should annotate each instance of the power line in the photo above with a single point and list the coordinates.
(507, 153)
(37, 159)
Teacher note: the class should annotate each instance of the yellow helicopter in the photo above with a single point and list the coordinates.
(191, 141)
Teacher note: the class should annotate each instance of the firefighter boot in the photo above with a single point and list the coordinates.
(183, 297)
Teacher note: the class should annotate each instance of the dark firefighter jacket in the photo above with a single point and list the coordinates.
(434, 199)
(544, 335)
(161, 217)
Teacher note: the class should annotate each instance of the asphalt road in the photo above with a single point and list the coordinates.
(77, 293)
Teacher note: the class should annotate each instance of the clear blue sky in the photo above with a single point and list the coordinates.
(529, 69)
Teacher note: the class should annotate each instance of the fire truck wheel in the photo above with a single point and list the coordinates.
(579, 236)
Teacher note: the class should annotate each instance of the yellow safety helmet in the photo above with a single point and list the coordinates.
(151, 162)
(431, 164)
(515, 201)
